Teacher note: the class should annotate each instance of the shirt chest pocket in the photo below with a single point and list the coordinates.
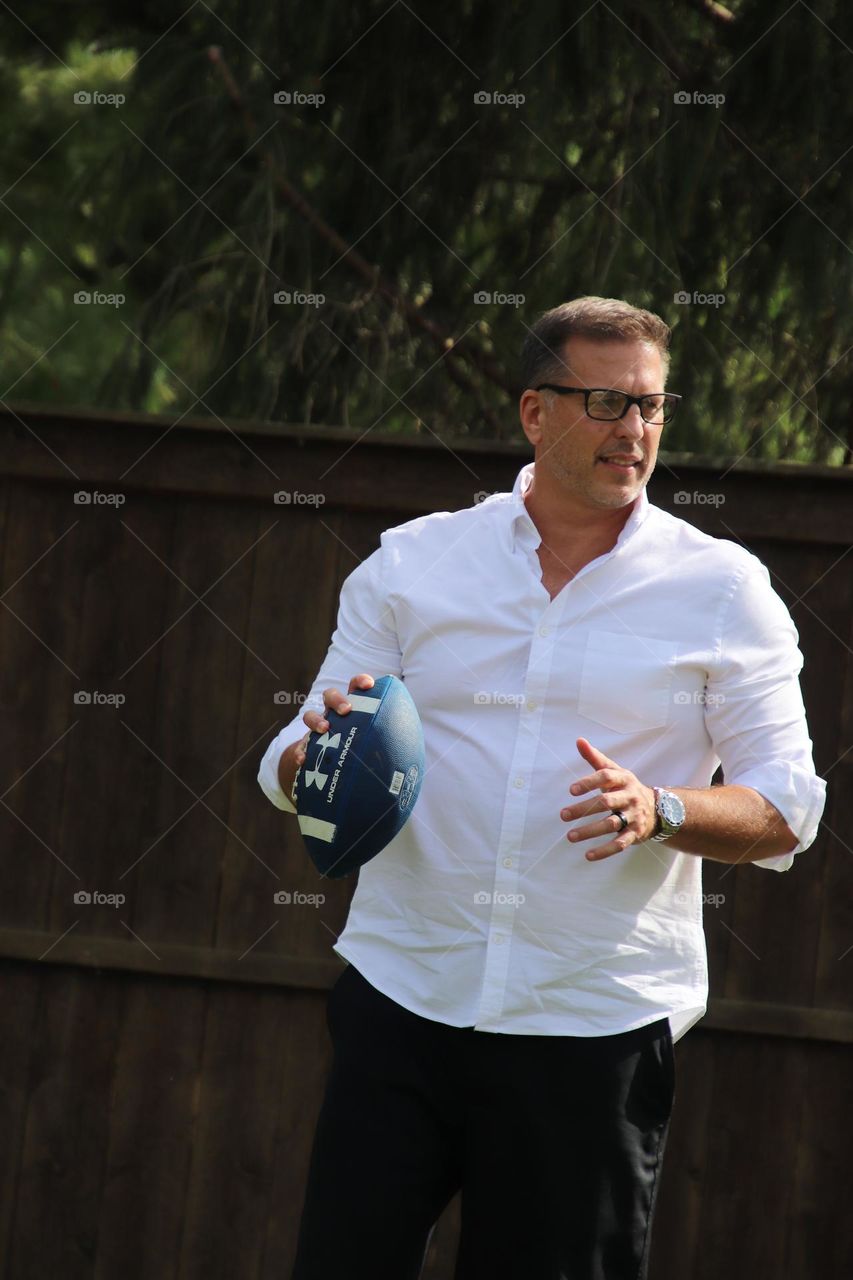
(626, 681)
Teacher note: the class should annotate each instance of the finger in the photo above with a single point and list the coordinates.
(337, 701)
(604, 802)
(604, 851)
(595, 757)
(600, 780)
(363, 681)
(606, 826)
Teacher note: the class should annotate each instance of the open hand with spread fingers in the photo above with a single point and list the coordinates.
(623, 808)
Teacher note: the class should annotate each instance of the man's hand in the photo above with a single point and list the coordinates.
(619, 789)
(294, 756)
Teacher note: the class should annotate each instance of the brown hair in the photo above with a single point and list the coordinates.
(608, 319)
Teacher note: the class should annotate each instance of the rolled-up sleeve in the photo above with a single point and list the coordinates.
(754, 709)
(365, 639)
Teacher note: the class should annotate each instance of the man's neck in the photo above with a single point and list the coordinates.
(568, 530)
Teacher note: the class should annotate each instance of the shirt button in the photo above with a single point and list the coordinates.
(518, 782)
(498, 939)
(544, 630)
(532, 704)
(508, 862)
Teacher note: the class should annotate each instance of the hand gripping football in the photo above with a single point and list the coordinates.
(360, 779)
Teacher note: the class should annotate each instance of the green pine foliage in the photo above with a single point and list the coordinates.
(199, 199)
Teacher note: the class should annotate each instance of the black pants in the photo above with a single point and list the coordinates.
(556, 1142)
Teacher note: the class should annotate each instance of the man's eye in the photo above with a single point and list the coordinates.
(609, 401)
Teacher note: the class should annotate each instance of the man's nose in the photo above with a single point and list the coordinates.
(631, 427)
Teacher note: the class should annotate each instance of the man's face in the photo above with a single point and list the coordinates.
(572, 446)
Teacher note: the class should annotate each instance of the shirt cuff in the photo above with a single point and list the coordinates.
(268, 775)
(799, 795)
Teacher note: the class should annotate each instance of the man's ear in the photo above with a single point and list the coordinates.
(529, 411)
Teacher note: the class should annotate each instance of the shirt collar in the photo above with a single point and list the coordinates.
(523, 531)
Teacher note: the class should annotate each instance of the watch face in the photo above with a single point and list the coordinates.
(673, 809)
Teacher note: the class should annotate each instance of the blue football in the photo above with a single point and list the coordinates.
(361, 778)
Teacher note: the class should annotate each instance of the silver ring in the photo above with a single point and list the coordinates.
(620, 815)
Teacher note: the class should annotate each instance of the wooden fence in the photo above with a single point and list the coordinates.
(164, 1043)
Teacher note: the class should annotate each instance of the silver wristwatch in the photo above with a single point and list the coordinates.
(671, 814)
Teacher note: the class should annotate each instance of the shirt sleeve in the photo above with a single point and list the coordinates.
(365, 639)
(754, 709)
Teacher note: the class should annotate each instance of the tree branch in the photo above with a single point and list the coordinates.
(366, 270)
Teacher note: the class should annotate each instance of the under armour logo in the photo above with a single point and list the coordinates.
(314, 775)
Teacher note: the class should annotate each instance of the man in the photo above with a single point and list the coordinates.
(578, 656)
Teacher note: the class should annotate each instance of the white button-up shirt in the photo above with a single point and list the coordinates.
(671, 653)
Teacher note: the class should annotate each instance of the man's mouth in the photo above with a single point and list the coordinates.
(625, 464)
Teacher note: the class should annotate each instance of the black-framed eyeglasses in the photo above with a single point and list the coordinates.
(608, 405)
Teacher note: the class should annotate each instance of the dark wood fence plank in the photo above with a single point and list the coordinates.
(751, 1153)
(195, 738)
(63, 1160)
(38, 635)
(676, 1239)
(152, 1130)
(307, 1041)
(255, 1125)
(104, 797)
(18, 1017)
